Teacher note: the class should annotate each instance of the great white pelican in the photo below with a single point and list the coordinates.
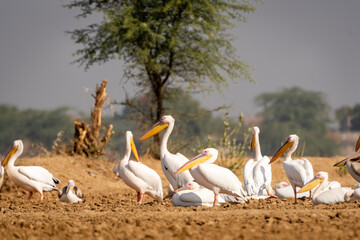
(213, 177)
(70, 193)
(321, 193)
(169, 162)
(138, 176)
(257, 171)
(299, 171)
(30, 178)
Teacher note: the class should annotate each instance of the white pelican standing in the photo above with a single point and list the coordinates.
(299, 171)
(30, 178)
(192, 194)
(213, 177)
(352, 163)
(169, 162)
(257, 171)
(2, 173)
(137, 175)
(70, 193)
(321, 195)
(284, 190)
(353, 195)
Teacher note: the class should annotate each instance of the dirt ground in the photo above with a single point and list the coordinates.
(109, 210)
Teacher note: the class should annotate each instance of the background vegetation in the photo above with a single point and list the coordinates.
(285, 112)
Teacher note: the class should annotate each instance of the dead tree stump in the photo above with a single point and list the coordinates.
(87, 139)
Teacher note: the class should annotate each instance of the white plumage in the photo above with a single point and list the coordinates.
(257, 172)
(30, 178)
(2, 173)
(213, 177)
(70, 193)
(353, 195)
(298, 171)
(284, 190)
(169, 162)
(138, 176)
(192, 194)
(321, 193)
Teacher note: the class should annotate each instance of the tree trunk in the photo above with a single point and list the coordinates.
(87, 140)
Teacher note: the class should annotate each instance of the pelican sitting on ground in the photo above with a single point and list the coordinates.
(137, 175)
(213, 177)
(299, 171)
(284, 190)
(353, 195)
(70, 193)
(352, 163)
(30, 178)
(257, 171)
(192, 194)
(321, 195)
(2, 173)
(169, 162)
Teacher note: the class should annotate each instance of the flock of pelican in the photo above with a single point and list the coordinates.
(198, 181)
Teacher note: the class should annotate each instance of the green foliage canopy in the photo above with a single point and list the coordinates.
(164, 44)
(295, 111)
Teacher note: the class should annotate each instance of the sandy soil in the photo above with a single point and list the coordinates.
(109, 210)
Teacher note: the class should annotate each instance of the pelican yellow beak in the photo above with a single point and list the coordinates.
(253, 142)
(193, 162)
(9, 155)
(158, 127)
(281, 150)
(355, 156)
(68, 189)
(357, 146)
(310, 185)
(133, 149)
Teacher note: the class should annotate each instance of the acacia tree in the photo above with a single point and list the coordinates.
(164, 44)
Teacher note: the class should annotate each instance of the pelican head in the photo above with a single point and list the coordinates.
(189, 186)
(319, 177)
(17, 148)
(208, 155)
(353, 157)
(71, 185)
(281, 185)
(293, 138)
(255, 131)
(130, 140)
(163, 123)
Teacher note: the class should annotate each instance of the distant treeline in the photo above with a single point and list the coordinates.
(288, 111)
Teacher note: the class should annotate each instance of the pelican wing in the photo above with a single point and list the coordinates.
(249, 178)
(201, 196)
(39, 174)
(355, 166)
(295, 172)
(334, 195)
(220, 177)
(170, 164)
(262, 175)
(146, 174)
(78, 192)
(308, 168)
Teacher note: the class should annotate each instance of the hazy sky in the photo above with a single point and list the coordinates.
(314, 44)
